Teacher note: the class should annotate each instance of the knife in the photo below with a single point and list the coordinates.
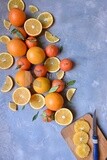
(95, 138)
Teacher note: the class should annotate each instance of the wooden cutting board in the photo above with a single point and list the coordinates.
(68, 133)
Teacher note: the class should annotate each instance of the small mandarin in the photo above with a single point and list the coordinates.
(66, 64)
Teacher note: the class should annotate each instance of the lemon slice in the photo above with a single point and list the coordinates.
(33, 27)
(7, 24)
(46, 19)
(63, 116)
(70, 92)
(6, 60)
(33, 8)
(52, 64)
(13, 106)
(8, 84)
(21, 96)
(50, 37)
(83, 150)
(81, 125)
(60, 74)
(15, 4)
(4, 39)
(37, 101)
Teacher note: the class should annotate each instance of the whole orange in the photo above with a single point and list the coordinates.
(54, 101)
(23, 63)
(51, 50)
(36, 55)
(40, 70)
(41, 84)
(59, 83)
(31, 42)
(23, 78)
(17, 17)
(66, 64)
(16, 47)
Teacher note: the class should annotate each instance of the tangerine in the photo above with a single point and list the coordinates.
(51, 50)
(40, 70)
(59, 83)
(66, 64)
(31, 42)
(23, 63)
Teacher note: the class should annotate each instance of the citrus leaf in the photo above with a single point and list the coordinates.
(35, 116)
(60, 49)
(18, 33)
(53, 89)
(70, 82)
(23, 107)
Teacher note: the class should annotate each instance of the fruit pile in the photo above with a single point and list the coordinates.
(35, 64)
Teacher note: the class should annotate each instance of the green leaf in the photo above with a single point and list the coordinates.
(53, 89)
(70, 82)
(23, 107)
(18, 33)
(60, 49)
(35, 116)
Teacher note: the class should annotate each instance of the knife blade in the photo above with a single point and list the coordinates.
(95, 138)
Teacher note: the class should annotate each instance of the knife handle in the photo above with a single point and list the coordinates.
(95, 148)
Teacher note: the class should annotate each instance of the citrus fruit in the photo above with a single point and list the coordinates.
(6, 60)
(66, 64)
(4, 39)
(17, 17)
(41, 84)
(36, 55)
(70, 92)
(7, 24)
(8, 84)
(31, 42)
(80, 138)
(37, 101)
(46, 19)
(16, 47)
(50, 37)
(83, 150)
(23, 63)
(51, 50)
(23, 78)
(33, 8)
(47, 115)
(40, 70)
(52, 64)
(60, 74)
(13, 106)
(21, 96)
(33, 27)
(54, 101)
(59, 83)
(19, 32)
(15, 4)
(81, 125)
(63, 116)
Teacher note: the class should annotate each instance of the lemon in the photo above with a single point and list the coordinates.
(63, 116)
(7, 24)
(4, 39)
(6, 60)
(83, 150)
(46, 19)
(33, 8)
(50, 37)
(33, 27)
(52, 64)
(60, 74)
(37, 101)
(8, 84)
(15, 4)
(21, 96)
(81, 125)
(13, 106)
(70, 92)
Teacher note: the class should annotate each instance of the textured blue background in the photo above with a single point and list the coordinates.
(82, 28)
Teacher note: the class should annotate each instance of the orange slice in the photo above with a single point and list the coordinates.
(83, 150)
(13, 106)
(4, 39)
(7, 24)
(33, 8)
(50, 37)
(15, 4)
(8, 84)
(81, 125)
(70, 92)
(60, 74)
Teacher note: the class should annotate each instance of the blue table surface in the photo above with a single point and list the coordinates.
(81, 26)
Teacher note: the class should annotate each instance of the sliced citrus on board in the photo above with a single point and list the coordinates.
(33, 8)
(15, 4)
(4, 39)
(6, 60)
(8, 84)
(81, 125)
(13, 106)
(60, 74)
(37, 101)
(63, 116)
(21, 96)
(7, 24)
(70, 92)
(80, 138)
(33, 27)
(46, 19)
(50, 37)
(52, 64)
(83, 150)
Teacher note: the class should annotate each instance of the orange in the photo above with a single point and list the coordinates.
(22, 31)
(31, 42)
(16, 47)
(36, 55)
(23, 78)
(23, 63)
(59, 83)
(40, 70)
(41, 84)
(17, 17)
(52, 50)
(66, 64)
(54, 101)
